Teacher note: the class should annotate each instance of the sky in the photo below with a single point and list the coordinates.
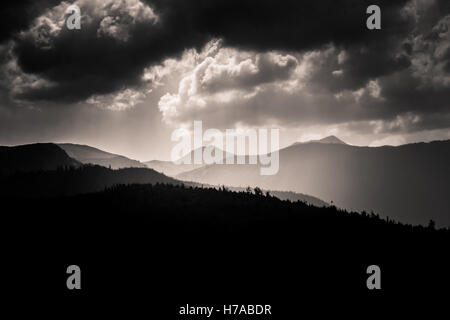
(139, 69)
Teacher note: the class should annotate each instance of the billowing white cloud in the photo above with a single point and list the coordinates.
(114, 19)
(118, 17)
(232, 87)
(224, 76)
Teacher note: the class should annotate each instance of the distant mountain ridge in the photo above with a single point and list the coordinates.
(87, 154)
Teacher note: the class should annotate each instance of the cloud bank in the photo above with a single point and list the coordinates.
(234, 63)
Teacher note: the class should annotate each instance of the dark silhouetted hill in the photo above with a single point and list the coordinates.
(92, 178)
(282, 195)
(71, 181)
(33, 157)
(204, 242)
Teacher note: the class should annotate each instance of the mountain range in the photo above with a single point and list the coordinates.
(48, 170)
(408, 183)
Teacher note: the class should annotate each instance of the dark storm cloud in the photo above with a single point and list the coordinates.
(294, 25)
(79, 64)
(410, 55)
(399, 80)
(284, 25)
(84, 62)
(17, 15)
(409, 58)
(361, 64)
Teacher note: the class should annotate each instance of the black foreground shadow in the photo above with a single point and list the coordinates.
(154, 248)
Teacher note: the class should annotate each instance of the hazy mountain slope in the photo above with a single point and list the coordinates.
(86, 154)
(32, 157)
(169, 168)
(409, 183)
(172, 169)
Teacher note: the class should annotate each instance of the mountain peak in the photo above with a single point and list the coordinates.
(326, 140)
(330, 139)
